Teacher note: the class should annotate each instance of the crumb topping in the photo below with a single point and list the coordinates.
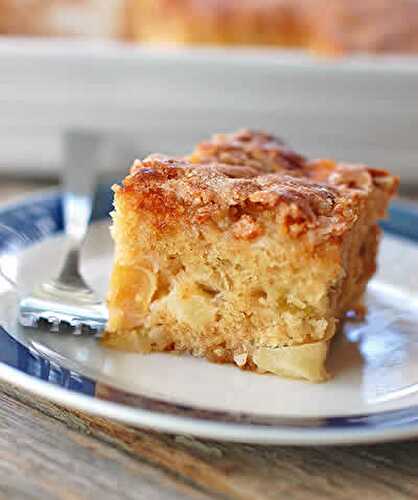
(241, 175)
(258, 150)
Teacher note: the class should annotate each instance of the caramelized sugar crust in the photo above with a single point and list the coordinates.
(243, 252)
(378, 26)
(252, 22)
(324, 26)
(238, 176)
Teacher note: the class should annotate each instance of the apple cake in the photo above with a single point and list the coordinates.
(243, 252)
(323, 26)
(374, 26)
(66, 18)
(222, 22)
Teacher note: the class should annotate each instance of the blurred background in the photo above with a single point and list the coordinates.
(333, 78)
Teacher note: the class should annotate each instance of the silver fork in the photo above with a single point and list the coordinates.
(68, 301)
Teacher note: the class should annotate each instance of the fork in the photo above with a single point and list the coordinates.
(67, 300)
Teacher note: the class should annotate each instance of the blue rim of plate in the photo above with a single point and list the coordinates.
(24, 367)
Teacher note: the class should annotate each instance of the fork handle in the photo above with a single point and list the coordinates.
(82, 154)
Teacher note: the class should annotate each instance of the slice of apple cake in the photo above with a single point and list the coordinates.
(243, 252)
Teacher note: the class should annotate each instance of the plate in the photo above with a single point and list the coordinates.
(372, 397)
(357, 108)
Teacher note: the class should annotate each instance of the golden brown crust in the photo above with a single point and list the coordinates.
(264, 152)
(324, 26)
(379, 26)
(244, 174)
(255, 22)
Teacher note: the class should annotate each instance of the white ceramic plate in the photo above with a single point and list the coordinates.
(372, 397)
(359, 108)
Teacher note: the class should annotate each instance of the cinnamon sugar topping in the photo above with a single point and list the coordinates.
(254, 172)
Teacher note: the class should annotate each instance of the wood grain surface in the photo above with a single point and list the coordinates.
(50, 452)
(47, 451)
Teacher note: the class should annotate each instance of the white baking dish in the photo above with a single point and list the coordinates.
(360, 108)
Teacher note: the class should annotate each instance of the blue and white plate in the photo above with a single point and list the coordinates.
(372, 397)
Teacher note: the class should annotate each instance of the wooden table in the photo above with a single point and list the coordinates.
(50, 452)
